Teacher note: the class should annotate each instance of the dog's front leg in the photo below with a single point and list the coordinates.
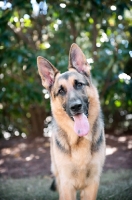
(90, 192)
(66, 191)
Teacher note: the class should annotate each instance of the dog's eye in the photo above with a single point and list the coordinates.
(78, 85)
(61, 91)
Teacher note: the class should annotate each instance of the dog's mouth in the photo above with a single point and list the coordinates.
(81, 124)
(72, 117)
(80, 119)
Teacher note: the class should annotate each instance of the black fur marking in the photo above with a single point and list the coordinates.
(95, 125)
(79, 140)
(84, 74)
(96, 144)
(61, 91)
(87, 83)
(53, 185)
(78, 85)
(56, 74)
(88, 173)
(64, 106)
(66, 75)
(75, 172)
(61, 147)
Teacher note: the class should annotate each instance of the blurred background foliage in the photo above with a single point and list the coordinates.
(103, 29)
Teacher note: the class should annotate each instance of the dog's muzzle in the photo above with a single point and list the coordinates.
(76, 107)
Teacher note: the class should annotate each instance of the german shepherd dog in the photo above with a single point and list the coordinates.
(77, 142)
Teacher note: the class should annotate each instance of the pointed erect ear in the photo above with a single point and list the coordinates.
(78, 60)
(47, 72)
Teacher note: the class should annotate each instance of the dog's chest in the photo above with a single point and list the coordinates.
(80, 165)
(80, 162)
(81, 155)
(73, 161)
(81, 150)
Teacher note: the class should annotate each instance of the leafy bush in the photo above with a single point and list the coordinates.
(103, 29)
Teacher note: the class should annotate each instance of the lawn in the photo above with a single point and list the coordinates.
(116, 185)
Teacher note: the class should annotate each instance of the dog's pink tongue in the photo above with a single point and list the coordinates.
(81, 124)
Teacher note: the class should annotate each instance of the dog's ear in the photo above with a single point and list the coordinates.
(47, 72)
(78, 60)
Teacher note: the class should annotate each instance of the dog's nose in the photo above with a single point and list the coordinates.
(76, 106)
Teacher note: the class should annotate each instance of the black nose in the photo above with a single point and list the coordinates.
(76, 106)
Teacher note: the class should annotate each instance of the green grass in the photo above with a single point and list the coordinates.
(114, 186)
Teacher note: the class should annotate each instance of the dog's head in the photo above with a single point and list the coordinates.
(69, 91)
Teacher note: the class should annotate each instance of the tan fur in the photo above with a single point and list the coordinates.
(80, 168)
